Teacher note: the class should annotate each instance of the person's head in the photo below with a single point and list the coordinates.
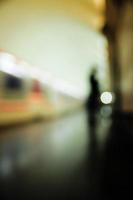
(94, 71)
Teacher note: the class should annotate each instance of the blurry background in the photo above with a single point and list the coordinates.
(48, 49)
(59, 36)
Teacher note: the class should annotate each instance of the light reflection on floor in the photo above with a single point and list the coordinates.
(47, 157)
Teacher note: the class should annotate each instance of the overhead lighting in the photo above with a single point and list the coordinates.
(99, 3)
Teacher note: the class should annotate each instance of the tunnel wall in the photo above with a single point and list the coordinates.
(125, 44)
(119, 31)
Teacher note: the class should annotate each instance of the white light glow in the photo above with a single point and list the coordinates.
(106, 97)
(67, 89)
(8, 65)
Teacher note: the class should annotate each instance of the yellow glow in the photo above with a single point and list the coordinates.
(88, 11)
(100, 3)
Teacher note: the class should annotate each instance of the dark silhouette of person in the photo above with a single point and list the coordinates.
(92, 107)
(93, 101)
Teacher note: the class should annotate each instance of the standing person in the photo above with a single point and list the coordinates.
(92, 107)
(93, 101)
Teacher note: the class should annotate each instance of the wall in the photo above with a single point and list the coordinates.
(54, 36)
(125, 41)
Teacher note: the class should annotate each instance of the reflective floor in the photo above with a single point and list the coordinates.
(68, 158)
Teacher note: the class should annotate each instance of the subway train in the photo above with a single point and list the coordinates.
(28, 92)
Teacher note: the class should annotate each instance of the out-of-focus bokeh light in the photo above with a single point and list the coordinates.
(106, 97)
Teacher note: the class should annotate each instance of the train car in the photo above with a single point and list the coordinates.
(28, 93)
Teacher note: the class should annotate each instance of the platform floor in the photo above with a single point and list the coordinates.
(68, 158)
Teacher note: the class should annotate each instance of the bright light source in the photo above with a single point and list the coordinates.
(99, 3)
(106, 97)
(8, 65)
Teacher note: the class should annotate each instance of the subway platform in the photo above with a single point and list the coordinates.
(68, 158)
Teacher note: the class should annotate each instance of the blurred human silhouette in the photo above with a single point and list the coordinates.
(92, 107)
(93, 101)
